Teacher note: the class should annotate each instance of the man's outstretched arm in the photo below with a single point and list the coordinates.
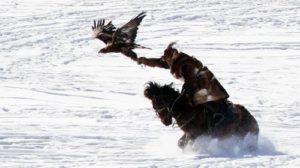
(153, 62)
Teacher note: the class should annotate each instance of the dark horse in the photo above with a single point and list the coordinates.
(195, 121)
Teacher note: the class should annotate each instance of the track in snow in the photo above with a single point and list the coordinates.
(63, 105)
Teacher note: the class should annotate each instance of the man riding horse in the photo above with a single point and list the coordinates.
(200, 84)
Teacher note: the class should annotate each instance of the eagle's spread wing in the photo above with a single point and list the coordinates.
(127, 33)
(103, 32)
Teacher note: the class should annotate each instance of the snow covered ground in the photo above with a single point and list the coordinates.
(64, 105)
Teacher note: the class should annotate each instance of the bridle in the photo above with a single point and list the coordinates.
(169, 108)
(160, 110)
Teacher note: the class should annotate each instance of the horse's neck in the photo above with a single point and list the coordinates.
(193, 122)
(181, 108)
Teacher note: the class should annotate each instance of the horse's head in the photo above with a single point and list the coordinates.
(162, 98)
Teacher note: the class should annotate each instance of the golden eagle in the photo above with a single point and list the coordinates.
(121, 39)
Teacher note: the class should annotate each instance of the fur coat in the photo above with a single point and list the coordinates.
(200, 84)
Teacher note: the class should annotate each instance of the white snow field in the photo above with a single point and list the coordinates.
(64, 105)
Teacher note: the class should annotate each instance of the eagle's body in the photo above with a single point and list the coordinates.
(119, 40)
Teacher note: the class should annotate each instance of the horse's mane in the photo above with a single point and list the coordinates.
(153, 89)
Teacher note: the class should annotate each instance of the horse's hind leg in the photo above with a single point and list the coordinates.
(248, 128)
(252, 136)
(251, 142)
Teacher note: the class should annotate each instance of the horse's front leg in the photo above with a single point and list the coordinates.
(183, 141)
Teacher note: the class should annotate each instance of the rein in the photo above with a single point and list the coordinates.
(171, 110)
(175, 101)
